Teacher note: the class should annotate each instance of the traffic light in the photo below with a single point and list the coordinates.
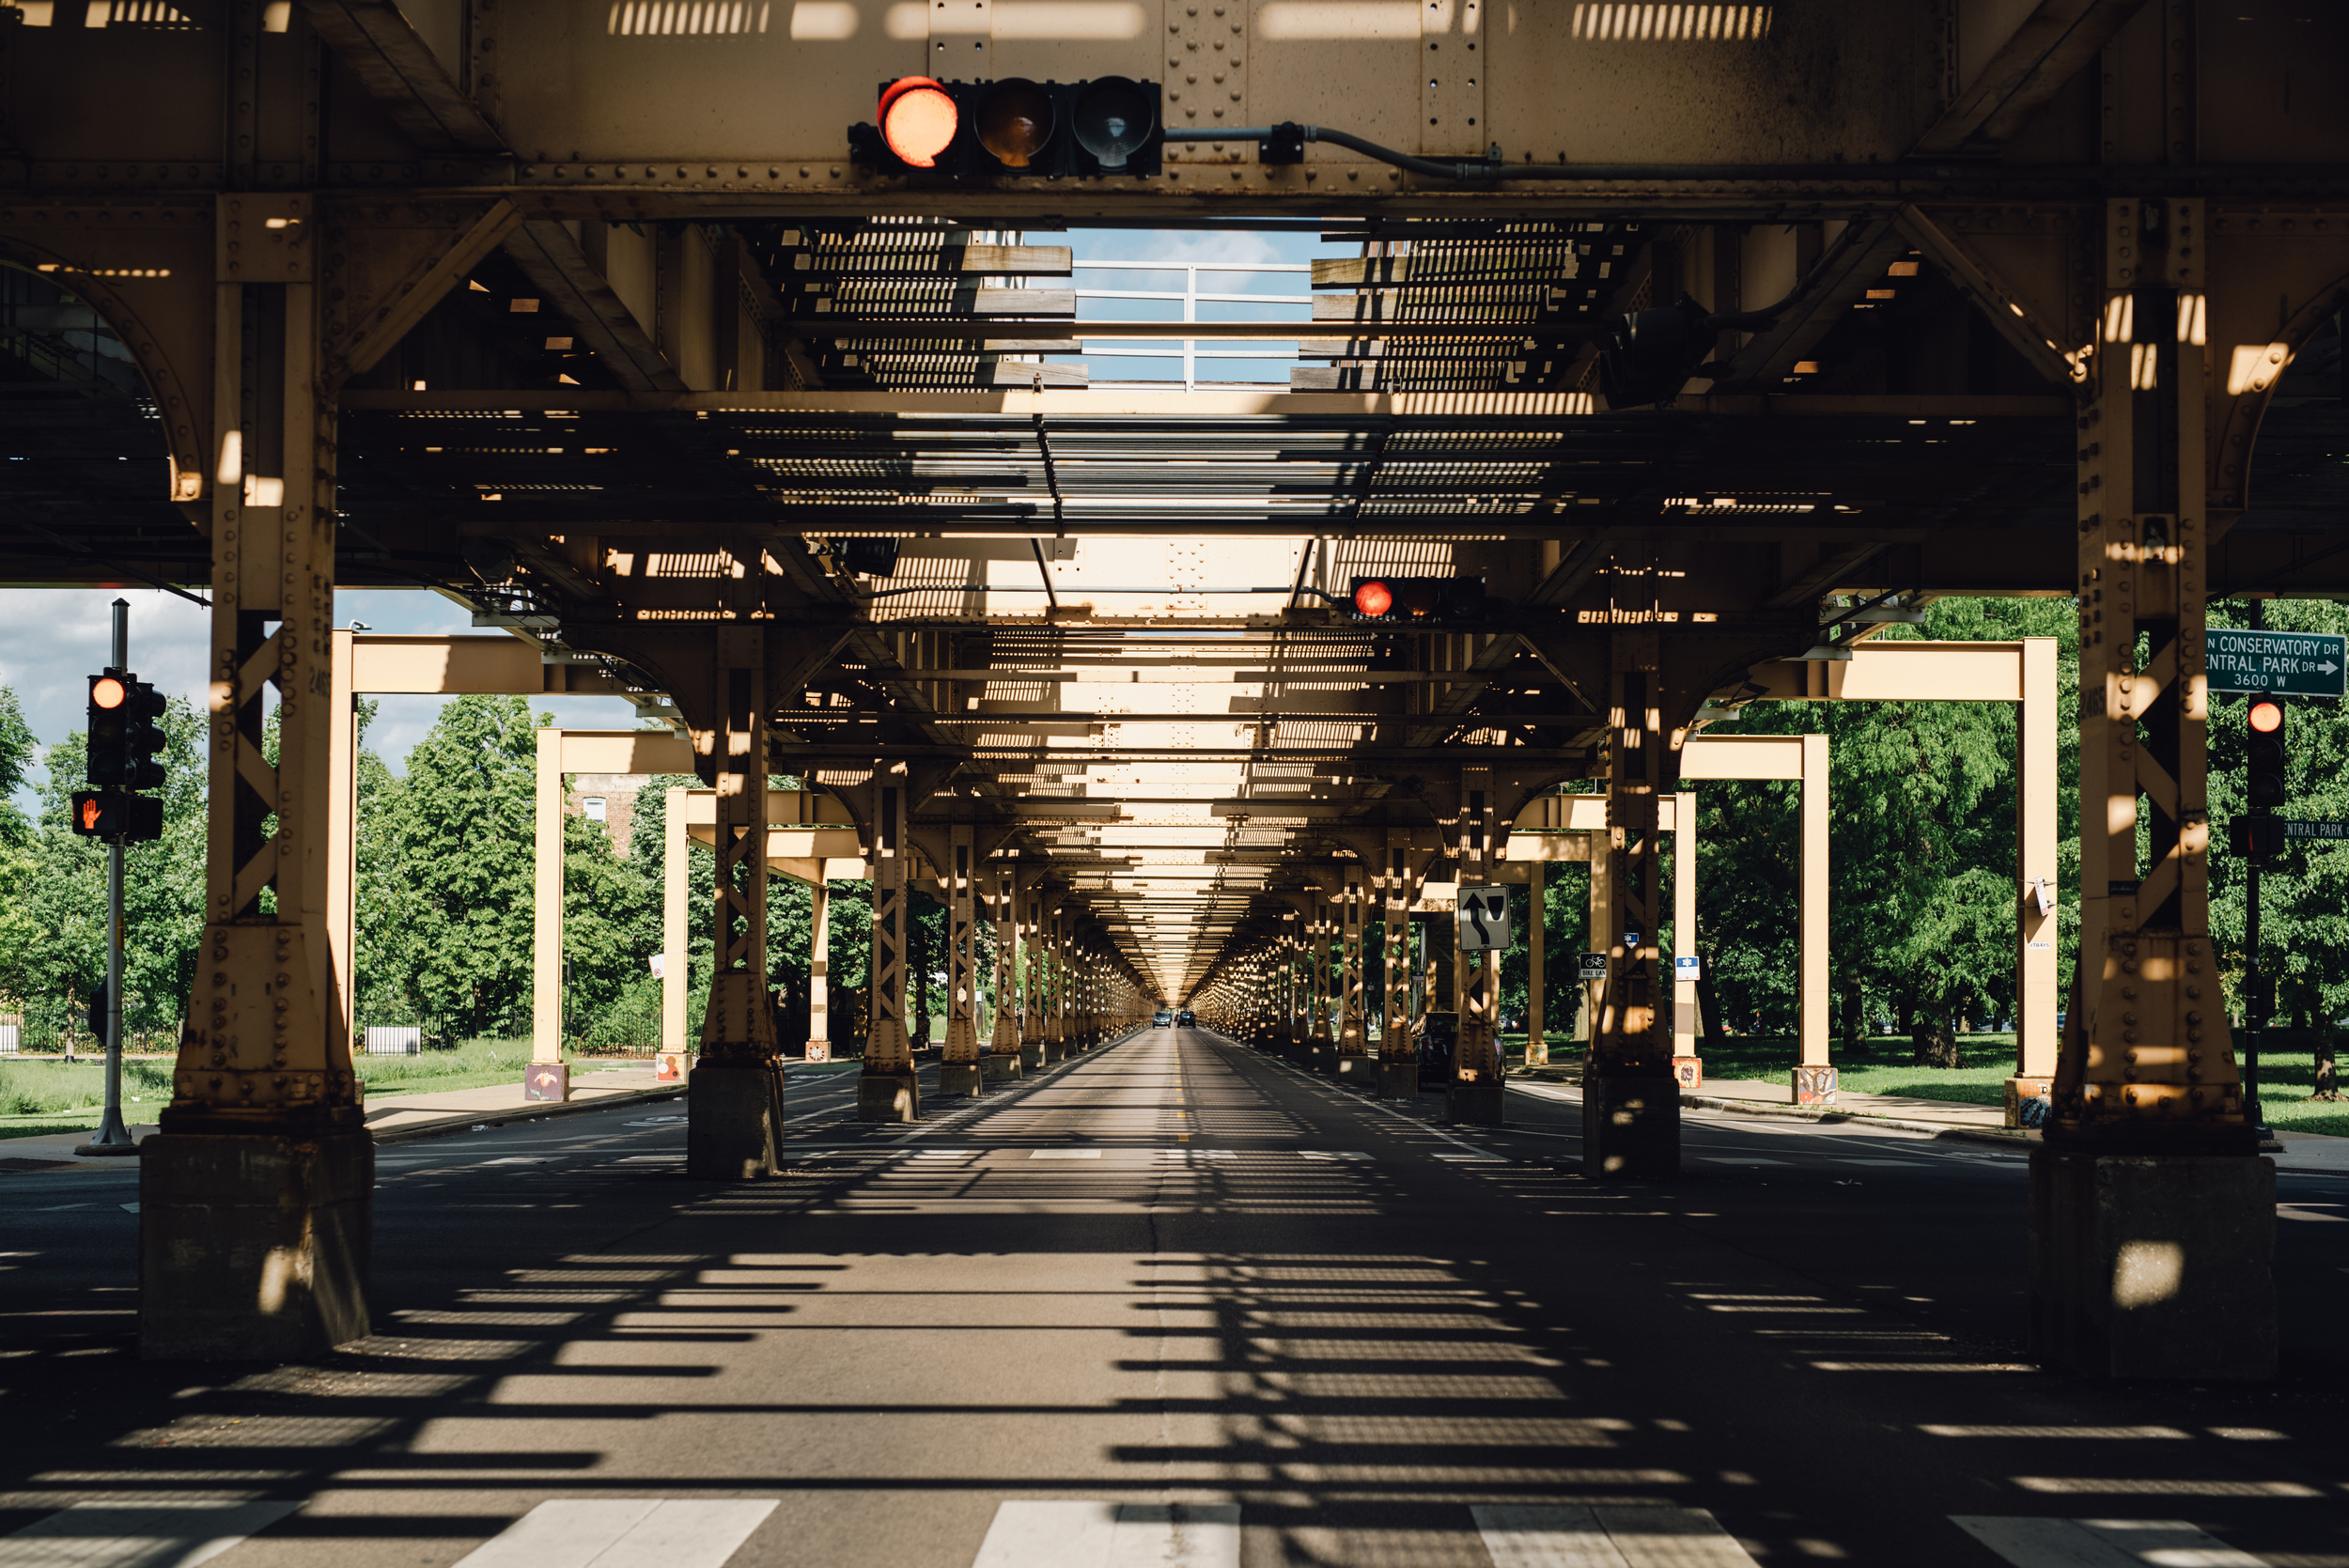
(2265, 761)
(1104, 125)
(98, 1011)
(1426, 601)
(124, 740)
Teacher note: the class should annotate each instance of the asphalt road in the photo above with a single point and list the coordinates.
(1170, 1303)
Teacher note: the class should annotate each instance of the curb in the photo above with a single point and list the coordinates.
(468, 1121)
(2003, 1136)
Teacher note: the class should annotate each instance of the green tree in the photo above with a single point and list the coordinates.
(57, 934)
(1924, 870)
(450, 871)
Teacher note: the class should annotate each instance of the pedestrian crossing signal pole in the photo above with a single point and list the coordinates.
(112, 1137)
(2264, 777)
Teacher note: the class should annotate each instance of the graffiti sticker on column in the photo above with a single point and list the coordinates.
(2301, 664)
(1484, 919)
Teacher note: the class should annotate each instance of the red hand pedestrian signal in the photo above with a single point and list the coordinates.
(91, 812)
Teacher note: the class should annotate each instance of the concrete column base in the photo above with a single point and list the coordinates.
(1031, 1058)
(888, 1097)
(1630, 1128)
(733, 1122)
(1398, 1080)
(1055, 1050)
(1814, 1085)
(253, 1249)
(819, 1050)
(547, 1081)
(960, 1081)
(2152, 1266)
(1689, 1071)
(1480, 1104)
(1357, 1072)
(2021, 1089)
(1000, 1066)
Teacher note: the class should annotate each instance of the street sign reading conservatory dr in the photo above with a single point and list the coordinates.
(2303, 664)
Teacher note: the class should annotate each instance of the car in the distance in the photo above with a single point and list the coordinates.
(1185, 1019)
(1161, 1018)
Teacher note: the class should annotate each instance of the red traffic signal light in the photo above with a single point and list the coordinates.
(918, 119)
(2265, 764)
(106, 691)
(1450, 600)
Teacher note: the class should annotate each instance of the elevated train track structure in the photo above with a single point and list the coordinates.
(592, 317)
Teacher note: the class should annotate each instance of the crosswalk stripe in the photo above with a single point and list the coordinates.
(2038, 1543)
(624, 1532)
(1525, 1536)
(138, 1535)
(1112, 1535)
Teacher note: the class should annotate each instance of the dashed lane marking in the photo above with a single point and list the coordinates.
(1112, 1535)
(140, 1535)
(1524, 1536)
(624, 1532)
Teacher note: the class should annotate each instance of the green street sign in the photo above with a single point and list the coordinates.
(2299, 663)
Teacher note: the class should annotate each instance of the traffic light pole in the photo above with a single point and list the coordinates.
(2255, 986)
(112, 1137)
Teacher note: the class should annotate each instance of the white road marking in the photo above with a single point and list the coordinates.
(624, 1532)
(1539, 1537)
(1112, 1535)
(1911, 1164)
(1064, 1153)
(1738, 1159)
(2034, 1542)
(142, 1535)
(1332, 1153)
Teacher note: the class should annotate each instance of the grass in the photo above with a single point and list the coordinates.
(2285, 1077)
(45, 1095)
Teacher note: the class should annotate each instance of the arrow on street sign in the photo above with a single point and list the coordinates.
(1483, 916)
(2295, 663)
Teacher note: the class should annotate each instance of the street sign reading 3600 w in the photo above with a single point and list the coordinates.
(2301, 664)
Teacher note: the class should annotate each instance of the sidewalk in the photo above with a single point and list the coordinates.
(397, 1118)
(1910, 1109)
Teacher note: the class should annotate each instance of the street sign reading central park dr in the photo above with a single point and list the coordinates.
(2301, 664)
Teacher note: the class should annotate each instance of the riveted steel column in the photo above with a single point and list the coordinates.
(255, 1217)
(734, 1095)
(888, 1090)
(1630, 1103)
(2153, 1217)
